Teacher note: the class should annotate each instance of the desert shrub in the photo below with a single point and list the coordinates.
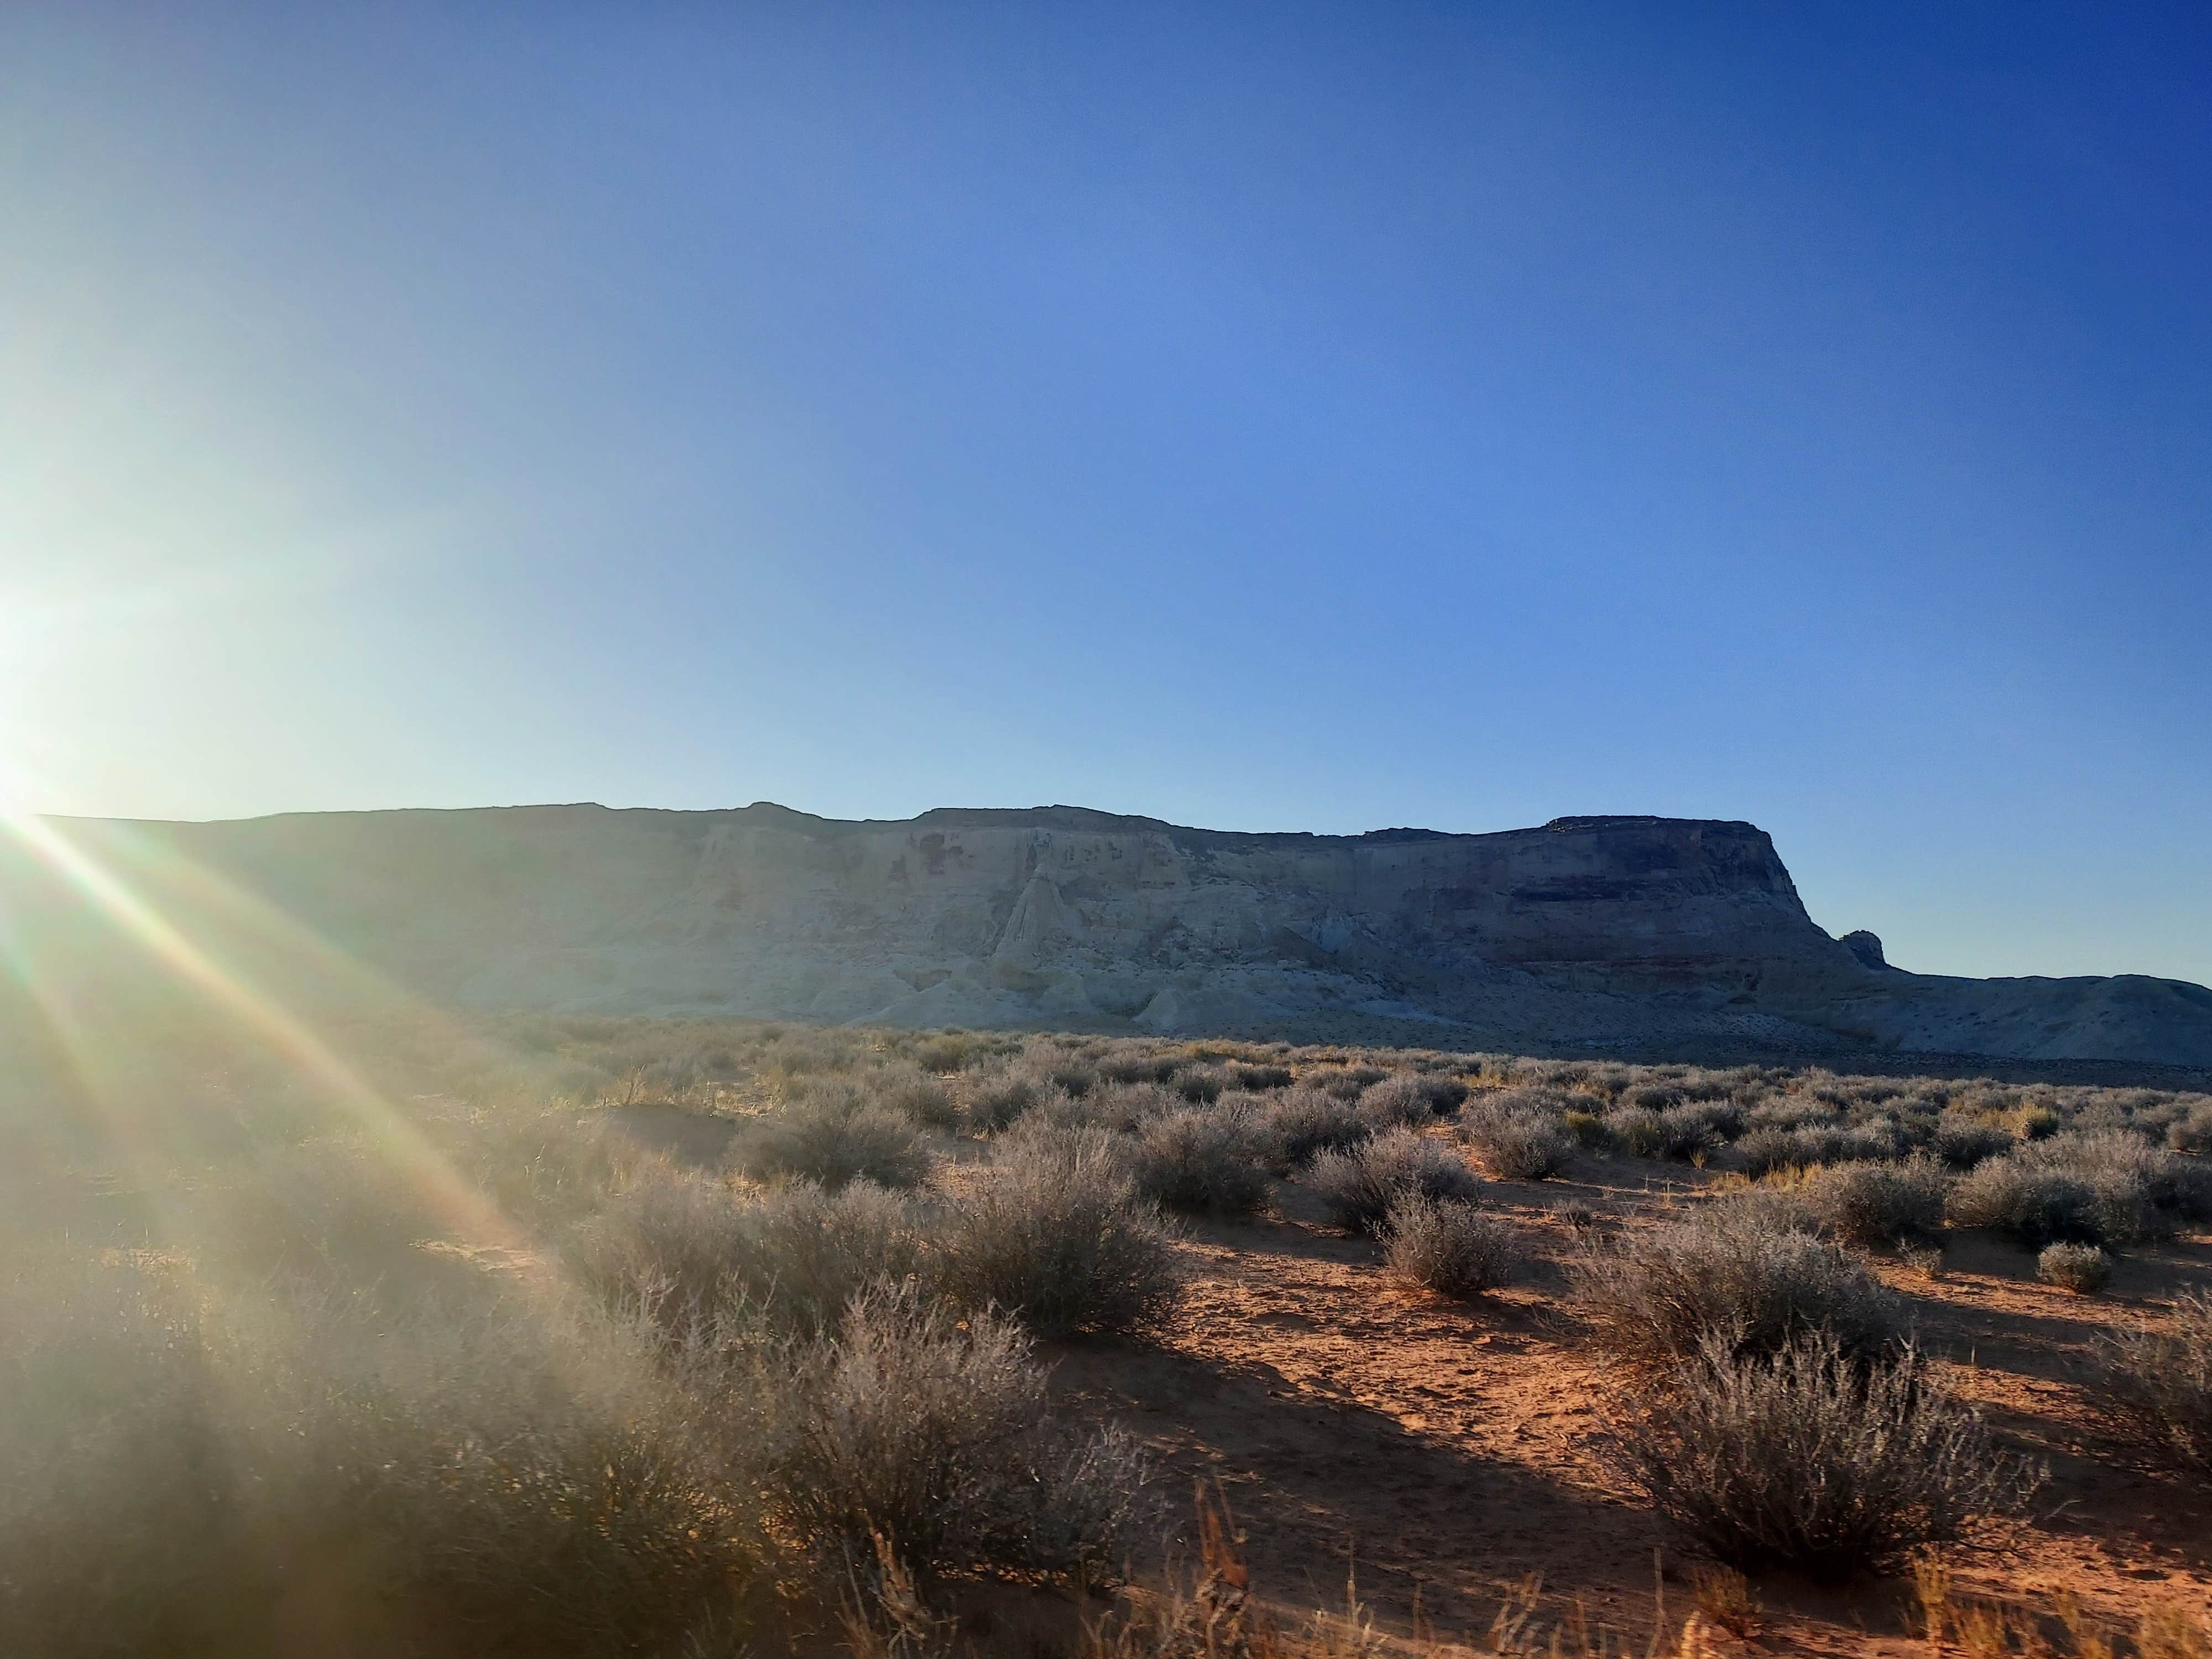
(686, 1252)
(1767, 1150)
(833, 1138)
(2037, 1122)
(1869, 1204)
(1212, 1160)
(1654, 1297)
(1001, 1097)
(1683, 1131)
(2191, 1132)
(1259, 1079)
(1772, 1205)
(114, 1538)
(1072, 1076)
(2033, 1206)
(919, 1098)
(1303, 1123)
(313, 1207)
(547, 1167)
(931, 1434)
(1348, 1082)
(2107, 1187)
(2158, 1386)
(1451, 1246)
(1790, 1112)
(2083, 1269)
(2143, 1192)
(1588, 1129)
(1805, 1458)
(1706, 1122)
(1637, 1131)
(1201, 1085)
(1060, 1239)
(1516, 1141)
(1137, 1065)
(1445, 1095)
(1962, 1142)
(668, 1234)
(1123, 1107)
(947, 1051)
(807, 1252)
(1396, 1102)
(1359, 1186)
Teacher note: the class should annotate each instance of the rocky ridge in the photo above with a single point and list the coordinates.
(1588, 930)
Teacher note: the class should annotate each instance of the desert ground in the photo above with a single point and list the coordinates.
(529, 1335)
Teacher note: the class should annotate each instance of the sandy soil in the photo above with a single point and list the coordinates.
(1444, 1454)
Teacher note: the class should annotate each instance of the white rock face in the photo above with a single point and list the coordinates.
(1617, 930)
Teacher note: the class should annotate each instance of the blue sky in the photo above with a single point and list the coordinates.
(1263, 417)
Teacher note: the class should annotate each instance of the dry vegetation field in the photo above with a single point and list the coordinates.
(547, 1337)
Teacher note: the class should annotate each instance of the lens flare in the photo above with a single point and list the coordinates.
(182, 960)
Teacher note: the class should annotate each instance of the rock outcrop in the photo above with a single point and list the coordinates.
(1629, 930)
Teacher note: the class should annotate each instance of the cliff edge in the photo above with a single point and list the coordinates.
(1585, 929)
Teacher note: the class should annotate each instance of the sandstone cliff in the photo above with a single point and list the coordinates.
(1624, 929)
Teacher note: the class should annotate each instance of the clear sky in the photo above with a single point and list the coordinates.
(1263, 418)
